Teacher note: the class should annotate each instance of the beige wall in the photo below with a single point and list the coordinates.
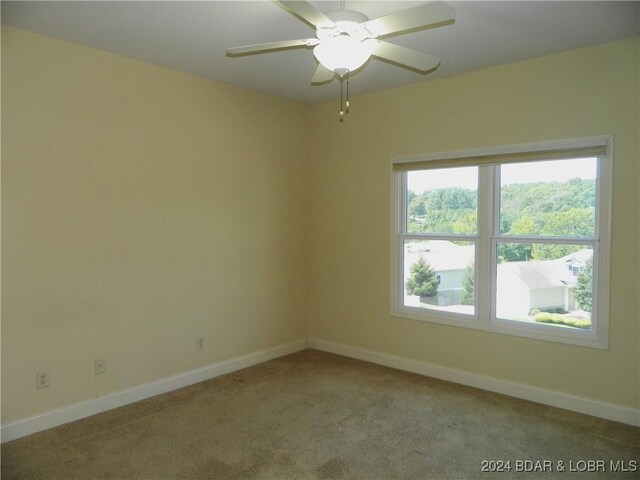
(591, 91)
(140, 207)
(143, 206)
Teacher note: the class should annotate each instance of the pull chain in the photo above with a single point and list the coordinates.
(341, 109)
(347, 104)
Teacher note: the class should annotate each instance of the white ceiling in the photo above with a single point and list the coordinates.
(192, 37)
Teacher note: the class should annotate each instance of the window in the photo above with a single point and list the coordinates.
(510, 239)
(440, 239)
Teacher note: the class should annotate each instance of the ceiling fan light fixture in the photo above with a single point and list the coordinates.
(346, 39)
(342, 53)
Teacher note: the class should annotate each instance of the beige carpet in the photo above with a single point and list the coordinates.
(314, 415)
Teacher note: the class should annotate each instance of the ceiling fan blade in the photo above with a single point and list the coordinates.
(421, 17)
(307, 13)
(403, 56)
(270, 47)
(322, 75)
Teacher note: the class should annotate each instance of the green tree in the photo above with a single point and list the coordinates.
(541, 208)
(577, 222)
(415, 205)
(517, 252)
(584, 289)
(551, 208)
(523, 225)
(466, 223)
(468, 286)
(423, 280)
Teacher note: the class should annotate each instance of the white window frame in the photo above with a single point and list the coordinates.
(488, 235)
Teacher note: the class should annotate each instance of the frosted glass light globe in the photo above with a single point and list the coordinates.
(342, 53)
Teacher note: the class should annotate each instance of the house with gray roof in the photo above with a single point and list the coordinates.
(522, 286)
(543, 285)
(449, 261)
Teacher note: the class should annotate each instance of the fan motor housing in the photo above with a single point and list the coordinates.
(347, 22)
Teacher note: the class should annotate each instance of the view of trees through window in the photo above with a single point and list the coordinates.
(443, 210)
(537, 281)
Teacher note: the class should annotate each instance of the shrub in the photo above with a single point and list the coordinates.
(468, 287)
(553, 310)
(423, 280)
(558, 319)
(584, 289)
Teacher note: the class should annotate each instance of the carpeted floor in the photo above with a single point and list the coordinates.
(314, 415)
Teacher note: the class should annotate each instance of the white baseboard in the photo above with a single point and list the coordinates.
(87, 408)
(618, 413)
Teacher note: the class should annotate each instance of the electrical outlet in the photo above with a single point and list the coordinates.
(200, 342)
(101, 366)
(42, 379)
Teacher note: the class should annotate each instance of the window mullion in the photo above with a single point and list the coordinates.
(439, 236)
(483, 243)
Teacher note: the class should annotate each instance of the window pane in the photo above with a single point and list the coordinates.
(555, 198)
(442, 200)
(439, 274)
(554, 285)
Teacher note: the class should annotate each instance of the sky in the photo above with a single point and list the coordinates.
(467, 177)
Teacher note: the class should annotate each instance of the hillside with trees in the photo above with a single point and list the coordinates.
(547, 208)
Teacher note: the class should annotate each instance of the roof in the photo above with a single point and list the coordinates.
(538, 274)
(581, 256)
(442, 255)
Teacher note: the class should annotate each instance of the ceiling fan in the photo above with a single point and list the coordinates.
(346, 39)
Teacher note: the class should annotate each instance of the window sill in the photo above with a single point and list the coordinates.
(534, 331)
